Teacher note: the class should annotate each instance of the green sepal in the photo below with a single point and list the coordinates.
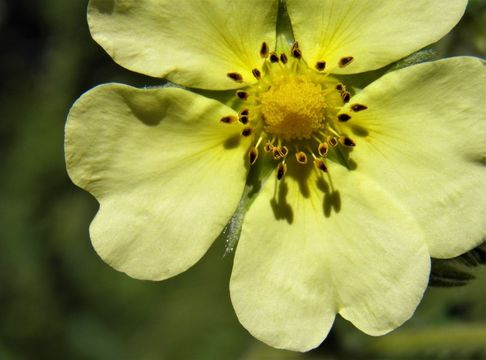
(418, 57)
(259, 173)
(227, 97)
(285, 34)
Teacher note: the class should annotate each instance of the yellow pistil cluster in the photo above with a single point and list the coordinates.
(293, 110)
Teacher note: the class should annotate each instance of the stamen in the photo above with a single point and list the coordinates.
(297, 54)
(322, 149)
(291, 105)
(243, 116)
(330, 129)
(264, 50)
(295, 46)
(273, 58)
(228, 119)
(344, 140)
(257, 74)
(244, 120)
(346, 96)
(320, 65)
(319, 163)
(235, 76)
(280, 152)
(281, 170)
(301, 157)
(358, 107)
(295, 51)
(332, 141)
(343, 117)
(276, 153)
(253, 155)
(345, 61)
(243, 95)
(259, 141)
(247, 131)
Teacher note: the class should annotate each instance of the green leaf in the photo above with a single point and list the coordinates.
(457, 271)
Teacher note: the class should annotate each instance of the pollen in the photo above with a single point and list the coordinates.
(293, 108)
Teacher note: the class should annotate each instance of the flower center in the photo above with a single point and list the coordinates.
(294, 111)
(293, 108)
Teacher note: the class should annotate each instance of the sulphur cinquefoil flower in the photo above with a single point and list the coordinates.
(366, 185)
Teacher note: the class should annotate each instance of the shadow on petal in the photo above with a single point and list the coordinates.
(302, 174)
(332, 198)
(332, 202)
(281, 208)
(148, 109)
(232, 142)
(343, 156)
(359, 130)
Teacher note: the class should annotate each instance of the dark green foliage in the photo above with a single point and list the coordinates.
(457, 271)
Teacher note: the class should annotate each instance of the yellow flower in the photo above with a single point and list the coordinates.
(367, 185)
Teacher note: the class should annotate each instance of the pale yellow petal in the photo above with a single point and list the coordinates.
(167, 173)
(426, 145)
(373, 32)
(194, 43)
(307, 253)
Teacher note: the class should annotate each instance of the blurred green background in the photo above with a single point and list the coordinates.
(58, 300)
